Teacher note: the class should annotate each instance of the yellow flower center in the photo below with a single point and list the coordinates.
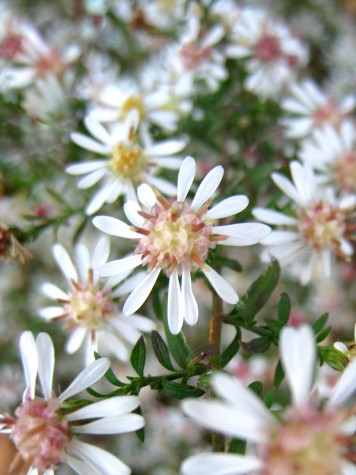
(127, 160)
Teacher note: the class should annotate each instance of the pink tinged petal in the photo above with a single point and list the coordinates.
(298, 353)
(185, 178)
(246, 232)
(288, 188)
(75, 340)
(91, 179)
(227, 207)
(119, 266)
(45, 353)
(97, 130)
(220, 464)
(112, 425)
(101, 252)
(103, 461)
(162, 185)
(162, 149)
(65, 262)
(280, 237)
(51, 312)
(53, 292)
(132, 209)
(115, 406)
(115, 227)
(81, 467)
(346, 386)
(139, 295)
(190, 306)
(174, 309)
(89, 144)
(273, 217)
(220, 417)
(86, 167)
(90, 375)
(146, 196)
(220, 285)
(207, 187)
(29, 358)
(82, 258)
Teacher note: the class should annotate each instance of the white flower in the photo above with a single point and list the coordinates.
(127, 163)
(88, 308)
(309, 438)
(312, 109)
(44, 430)
(176, 236)
(332, 152)
(273, 54)
(316, 230)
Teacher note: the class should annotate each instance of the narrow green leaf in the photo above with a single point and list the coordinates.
(58, 197)
(284, 308)
(278, 374)
(138, 356)
(256, 387)
(319, 324)
(231, 350)
(258, 345)
(161, 351)
(323, 334)
(237, 446)
(175, 390)
(140, 433)
(110, 376)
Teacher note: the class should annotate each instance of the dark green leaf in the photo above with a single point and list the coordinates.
(110, 376)
(278, 374)
(237, 446)
(323, 334)
(256, 387)
(161, 351)
(258, 345)
(138, 356)
(140, 433)
(231, 350)
(335, 358)
(284, 308)
(175, 390)
(319, 324)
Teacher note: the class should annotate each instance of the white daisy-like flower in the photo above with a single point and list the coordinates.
(127, 163)
(310, 437)
(44, 430)
(317, 228)
(273, 55)
(313, 109)
(332, 152)
(175, 236)
(89, 309)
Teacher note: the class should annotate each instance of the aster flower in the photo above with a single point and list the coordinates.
(332, 152)
(273, 54)
(88, 308)
(45, 432)
(175, 236)
(317, 228)
(313, 109)
(310, 437)
(127, 162)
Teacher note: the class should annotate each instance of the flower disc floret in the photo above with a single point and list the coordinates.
(127, 160)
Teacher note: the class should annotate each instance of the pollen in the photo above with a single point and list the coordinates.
(127, 160)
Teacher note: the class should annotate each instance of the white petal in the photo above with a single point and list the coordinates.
(303, 180)
(280, 237)
(132, 209)
(112, 425)
(169, 147)
(227, 207)
(90, 375)
(288, 188)
(98, 199)
(270, 216)
(29, 358)
(51, 312)
(53, 292)
(171, 163)
(146, 195)
(190, 306)
(82, 467)
(162, 185)
(174, 309)
(251, 232)
(101, 252)
(65, 262)
(220, 285)
(119, 266)
(97, 130)
(346, 386)
(220, 464)
(207, 187)
(139, 295)
(115, 406)
(91, 179)
(115, 227)
(75, 339)
(105, 462)
(45, 353)
(143, 324)
(86, 167)
(348, 469)
(82, 258)
(298, 353)
(185, 178)
(89, 144)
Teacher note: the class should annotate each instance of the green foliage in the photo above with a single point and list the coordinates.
(161, 351)
(138, 356)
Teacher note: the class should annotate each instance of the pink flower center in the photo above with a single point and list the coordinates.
(268, 48)
(10, 45)
(40, 433)
(346, 172)
(307, 442)
(329, 113)
(323, 226)
(194, 55)
(174, 235)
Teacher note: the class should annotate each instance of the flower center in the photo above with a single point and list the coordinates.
(10, 45)
(268, 48)
(174, 235)
(127, 160)
(194, 55)
(328, 113)
(88, 306)
(346, 172)
(323, 226)
(307, 442)
(40, 433)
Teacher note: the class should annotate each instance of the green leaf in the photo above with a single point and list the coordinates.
(284, 308)
(323, 334)
(319, 324)
(258, 294)
(237, 446)
(278, 374)
(161, 351)
(140, 433)
(256, 387)
(176, 343)
(138, 356)
(231, 350)
(258, 345)
(175, 390)
(110, 376)
(335, 358)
